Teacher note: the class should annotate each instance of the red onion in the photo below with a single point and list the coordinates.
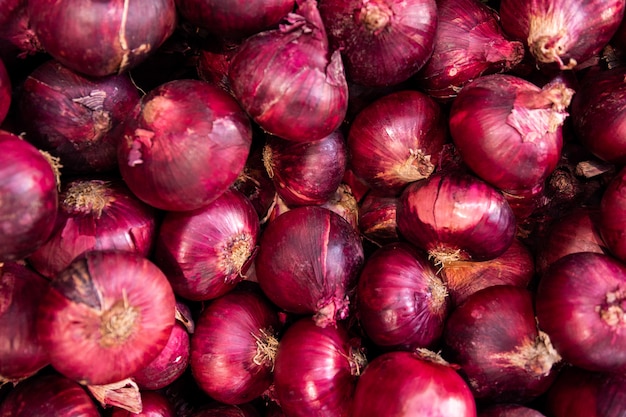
(28, 184)
(405, 384)
(306, 173)
(469, 43)
(562, 32)
(21, 354)
(316, 370)
(95, 214)
(154, 404)
(612, 215)
(401, 301)
(48, 395)
(74, 117)
(184, 144)
(301, 93)
(206, 252)
(377, 218)
(509, 410)
(508, 130)
(455, 216)
(397, 140)
(308, 263)
(580, 304)
(234, 347)
(5, 91)
(106, 316)
(383, 42)
(98, 38)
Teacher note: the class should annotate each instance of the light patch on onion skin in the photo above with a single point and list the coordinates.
(537, 357)
(118, 323)
(375, 16)
(548, 38)
(416, 167)
(612, 311)
(126, 51)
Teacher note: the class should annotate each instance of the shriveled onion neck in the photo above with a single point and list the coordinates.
(536, 356)
(547, 40)
(235, 253)
(612, 310)
(266, 348)
(118, 323)
(87, 197)
(375, 16)
(416, 167)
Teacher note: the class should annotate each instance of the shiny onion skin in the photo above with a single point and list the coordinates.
(106, 316)
(302, 93)
(563, 33)
(306, 173)
(377, 219)
(316, 370)
(383, 42)
(154, 404)
(206, 252)
(98, 38)
(493, 337)
(612, 215)
(401, 301)
(183, 145)
(48, 395)
(580, 301)
(28, 184)
(455, 216)
(95, 214)
(234, 346)
(508, 130)
(308, 262)
(397, 140)
(509, 410)
(75, 117)
(469, 43)
(5, 91)
(407, 384)
(21, 354)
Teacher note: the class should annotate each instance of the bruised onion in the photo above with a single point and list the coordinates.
(106, 316)
(154, 404)
(5, 91)
(183, 145)
(301, 94)
(612, 215)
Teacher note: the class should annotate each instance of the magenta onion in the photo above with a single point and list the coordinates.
(206, 252)
(95, 214)
(580, 303)
(74, 117)
(406, 384)
(508, 130)
(564, 33)
(383, 42)
(28, 186)
(5, 91)
(469, 43)
(612, 215)
(308, 262)
(455, 216)
(98, 38)
(396, 140)
(494, 338)
(401, 301)
(234, 346)
(377, 219)
(48, 395)
(184, 144)
(154, 404)
(21, 354)
(509, 410)
(106, 316)
(316, 370)
(301, 94)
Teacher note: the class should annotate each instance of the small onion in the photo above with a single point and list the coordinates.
(612, 215)
(154, 404)
(5, 91)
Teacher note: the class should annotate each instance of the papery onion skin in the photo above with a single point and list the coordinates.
(508, 130)
(612, 215)
(100, 39)
(308, 262)
(579, 304)
(397, 140)
(563, 33)
(106, 316)
(401, 301)
(302, 93)
(5, 91)
(469, 43)
(404, 384)
(74, 117)
(383, 42)
(509, 410)
(191, 115)
(95, 214)
(154, 404)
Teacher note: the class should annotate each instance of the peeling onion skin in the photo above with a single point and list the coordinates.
(612, 215)
(101, 38)
(5, 91)
(562, 33)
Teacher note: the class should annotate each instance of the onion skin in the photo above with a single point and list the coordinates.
(377, 219)
(308, 262)
(383, 42)
(5, 91)
(562, 33)
(302, 93)
(509, 410)
(404, 384)
(183, 145)
(106, 316)
(100, 39)
(397, 140)
(154, 404)
(579, 303)
(612, 215)
(255, 184)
